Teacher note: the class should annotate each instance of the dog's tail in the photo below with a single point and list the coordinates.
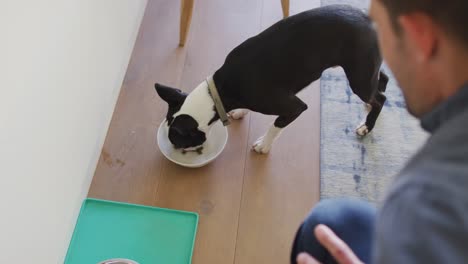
(383, 80)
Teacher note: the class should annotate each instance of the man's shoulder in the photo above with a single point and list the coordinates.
(428, 192)
(441, 165)
(421, 216)
(443, 179)
(416, 203)
(453, 133)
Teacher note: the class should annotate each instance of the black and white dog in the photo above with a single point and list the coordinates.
(265, 73)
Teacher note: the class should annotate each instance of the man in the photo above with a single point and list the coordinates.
(424, 218)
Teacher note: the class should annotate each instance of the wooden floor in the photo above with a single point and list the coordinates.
(250, 205)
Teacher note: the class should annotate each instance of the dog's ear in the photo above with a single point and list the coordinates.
(174, 97)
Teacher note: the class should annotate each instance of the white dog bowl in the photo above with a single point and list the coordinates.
(214, 145)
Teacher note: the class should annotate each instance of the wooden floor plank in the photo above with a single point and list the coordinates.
(213, 191)
(280, 188)
(130, 164)
(249, 205)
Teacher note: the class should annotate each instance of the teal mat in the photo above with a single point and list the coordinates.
(148, 235)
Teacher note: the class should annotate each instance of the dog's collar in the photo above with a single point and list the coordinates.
(217, 101)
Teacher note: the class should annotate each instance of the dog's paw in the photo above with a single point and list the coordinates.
(238, 113)
(261, 146)
(362, 130)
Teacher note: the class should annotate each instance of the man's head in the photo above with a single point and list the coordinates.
(425, 43)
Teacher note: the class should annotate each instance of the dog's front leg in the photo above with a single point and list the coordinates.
(295, 108)
(264, 143)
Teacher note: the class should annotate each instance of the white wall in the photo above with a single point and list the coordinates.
(62, 63)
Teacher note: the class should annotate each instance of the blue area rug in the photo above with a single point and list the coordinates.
(362, 168)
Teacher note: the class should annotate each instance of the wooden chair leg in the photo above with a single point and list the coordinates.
(186, 8)
(285, 6)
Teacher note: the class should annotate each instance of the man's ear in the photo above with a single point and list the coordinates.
(421, 32)
(172, 96)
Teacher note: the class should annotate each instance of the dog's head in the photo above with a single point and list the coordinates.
(184, 132)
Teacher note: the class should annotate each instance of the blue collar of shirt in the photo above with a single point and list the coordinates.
(450, 108)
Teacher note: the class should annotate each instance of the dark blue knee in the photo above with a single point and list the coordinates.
(351, 220)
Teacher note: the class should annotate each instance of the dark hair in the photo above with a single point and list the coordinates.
(450, 14)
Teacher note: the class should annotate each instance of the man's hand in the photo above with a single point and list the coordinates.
(337, 248)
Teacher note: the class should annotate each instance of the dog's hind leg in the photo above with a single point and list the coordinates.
(369, 83)
(291, 110)
(383, 81)
(376, 103)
